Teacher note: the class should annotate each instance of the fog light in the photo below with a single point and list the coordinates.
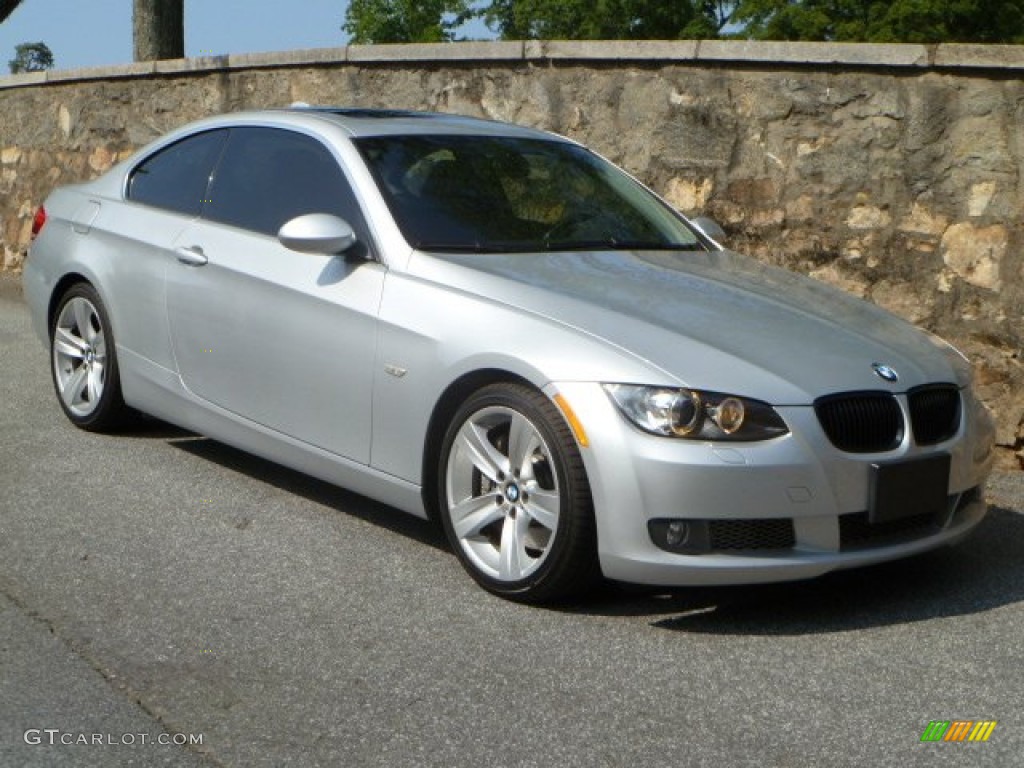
(681, 537)
(677, 533)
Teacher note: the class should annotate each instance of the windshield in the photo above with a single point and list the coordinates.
(500, 194)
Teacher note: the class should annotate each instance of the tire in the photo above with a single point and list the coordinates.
(514, 498)
(83, 362)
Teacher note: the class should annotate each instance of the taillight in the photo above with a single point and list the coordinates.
(39, 221)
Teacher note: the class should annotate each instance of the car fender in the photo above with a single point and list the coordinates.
(431, 336)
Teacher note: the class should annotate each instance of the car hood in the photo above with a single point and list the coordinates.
(717, 320)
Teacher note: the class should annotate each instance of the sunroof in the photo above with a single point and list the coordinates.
(363, 112)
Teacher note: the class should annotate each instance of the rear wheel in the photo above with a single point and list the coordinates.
(514, 497)
(83, 361)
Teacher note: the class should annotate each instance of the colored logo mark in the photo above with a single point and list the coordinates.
(959, 730)
(885, 372)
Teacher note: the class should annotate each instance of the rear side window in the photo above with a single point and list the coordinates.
(176, 177)
(270, 175)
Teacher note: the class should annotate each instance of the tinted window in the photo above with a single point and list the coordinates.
(269, 176)
(494, 193)
(176, 177)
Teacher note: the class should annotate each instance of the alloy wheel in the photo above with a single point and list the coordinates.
(502, 493)
(80, 356)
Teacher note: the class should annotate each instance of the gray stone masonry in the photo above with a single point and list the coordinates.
(893, 171)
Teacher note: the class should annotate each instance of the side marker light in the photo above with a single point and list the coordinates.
(574, 423)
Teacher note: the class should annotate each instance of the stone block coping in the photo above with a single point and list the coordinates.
(947, 56)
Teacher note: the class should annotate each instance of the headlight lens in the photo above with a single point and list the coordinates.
(697, 415)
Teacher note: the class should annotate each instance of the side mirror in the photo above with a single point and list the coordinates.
(709, 228)
(317, 233)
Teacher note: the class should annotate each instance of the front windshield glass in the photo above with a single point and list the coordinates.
(501, 194)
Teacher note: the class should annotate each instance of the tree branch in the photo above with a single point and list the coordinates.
(7, 8)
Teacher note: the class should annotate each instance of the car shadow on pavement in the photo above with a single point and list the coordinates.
(146, 427)
(294, 482)
(983, 572)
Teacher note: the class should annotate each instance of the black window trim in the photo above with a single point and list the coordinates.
(372, 249)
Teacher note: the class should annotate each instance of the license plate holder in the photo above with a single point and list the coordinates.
(901, 489)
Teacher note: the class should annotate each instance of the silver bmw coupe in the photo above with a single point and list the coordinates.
(492, 326)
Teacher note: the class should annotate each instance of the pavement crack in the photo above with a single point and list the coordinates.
(111, 677)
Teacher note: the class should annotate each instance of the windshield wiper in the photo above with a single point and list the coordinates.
(605, 244)
(453, 247)
(612, 243)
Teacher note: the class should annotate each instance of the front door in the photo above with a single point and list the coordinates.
(277, 337)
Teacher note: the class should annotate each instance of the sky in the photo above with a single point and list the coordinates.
(93, 33)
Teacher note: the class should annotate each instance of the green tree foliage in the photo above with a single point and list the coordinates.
(883, 21)
(912, 21)
(31, 57)
(607, 19)
(7, 8)
(404, 21)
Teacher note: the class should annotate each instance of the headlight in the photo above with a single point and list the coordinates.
(697, 415)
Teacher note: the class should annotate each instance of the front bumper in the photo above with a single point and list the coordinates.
(799, 480)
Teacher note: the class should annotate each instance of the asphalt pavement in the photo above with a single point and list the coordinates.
(166, 600)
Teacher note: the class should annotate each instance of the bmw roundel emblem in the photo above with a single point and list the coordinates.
(885, 372)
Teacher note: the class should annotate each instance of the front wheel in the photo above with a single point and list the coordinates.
(514, 498)
(83, 361)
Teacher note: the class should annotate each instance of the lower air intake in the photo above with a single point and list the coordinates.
(751, 534)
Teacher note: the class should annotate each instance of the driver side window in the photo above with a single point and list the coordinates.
(268, 176)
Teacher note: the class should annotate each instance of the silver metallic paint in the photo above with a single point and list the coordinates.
(287, 355)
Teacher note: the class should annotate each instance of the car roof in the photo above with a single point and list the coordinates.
(360, 121)
(355, 122)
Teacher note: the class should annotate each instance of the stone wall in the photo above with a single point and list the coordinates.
(893, 171)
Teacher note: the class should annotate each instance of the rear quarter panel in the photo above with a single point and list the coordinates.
(119, 250)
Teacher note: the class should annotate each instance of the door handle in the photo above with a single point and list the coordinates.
(192, 255)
